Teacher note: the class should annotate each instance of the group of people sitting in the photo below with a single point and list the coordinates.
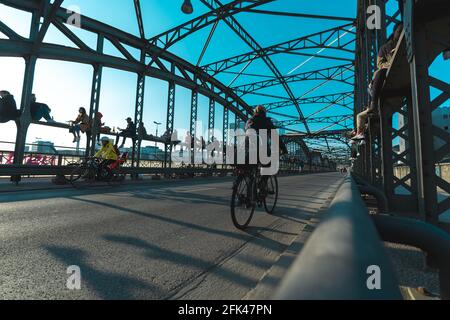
(384, 61)
(83, 124)
(10, 112)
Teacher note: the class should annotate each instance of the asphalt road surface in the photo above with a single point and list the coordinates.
(164, 240)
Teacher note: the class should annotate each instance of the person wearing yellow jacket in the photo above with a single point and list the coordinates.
(107, 154)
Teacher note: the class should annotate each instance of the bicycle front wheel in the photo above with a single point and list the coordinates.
(242, 203)
(81, 176)
(271, 199)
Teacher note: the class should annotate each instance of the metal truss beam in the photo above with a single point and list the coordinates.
(250, 41)
(139, 116)
(49, 16)
(170, 37)
(95, 97)
(137, 7)
(333, 73)
(337, 98)
(336, 120)
(318, 40)
(21, 47)
(226, 126)
(170, 120)
(211, 118)
(321, 134)
(300, 15)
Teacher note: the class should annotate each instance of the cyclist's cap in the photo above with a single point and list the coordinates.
(128, 119)
(105, 139)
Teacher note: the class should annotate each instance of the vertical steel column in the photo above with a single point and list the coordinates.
(193, 123)
(170, 120)
(386, 149)
(211, 118)
(412, 140)
(95, 98)
(25, 119)
(139, 116)
(226, 126)
(423, 128)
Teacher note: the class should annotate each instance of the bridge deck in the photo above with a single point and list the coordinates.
(167, 239)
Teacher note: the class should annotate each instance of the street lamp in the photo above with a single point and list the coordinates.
(187, 7)
(157, 127)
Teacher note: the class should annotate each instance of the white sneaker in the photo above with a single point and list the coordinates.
(359, 137)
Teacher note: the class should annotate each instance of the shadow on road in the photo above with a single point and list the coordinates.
(106, 285)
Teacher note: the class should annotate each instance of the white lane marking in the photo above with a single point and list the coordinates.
(196, 190)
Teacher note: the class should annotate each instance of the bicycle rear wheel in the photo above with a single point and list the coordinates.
(242, 204)
(82, 176)
(271, 199)
(116, 177)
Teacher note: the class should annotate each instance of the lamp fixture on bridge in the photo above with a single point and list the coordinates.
(187, 7)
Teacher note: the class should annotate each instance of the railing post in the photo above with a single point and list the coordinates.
(95, 100)
(138, 118)
(24, 121)
(170, 120)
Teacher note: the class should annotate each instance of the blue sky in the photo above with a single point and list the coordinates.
(66, 86)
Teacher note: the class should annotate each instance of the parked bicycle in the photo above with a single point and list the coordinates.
(90, 171)
(250, 190)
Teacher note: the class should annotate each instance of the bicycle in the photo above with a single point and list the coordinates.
(88, 172)
(249, 190)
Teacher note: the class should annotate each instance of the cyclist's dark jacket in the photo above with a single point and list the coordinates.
(258, 122)
(261, 121)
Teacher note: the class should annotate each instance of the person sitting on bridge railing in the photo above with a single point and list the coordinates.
(40, 110)
(129, 132)
(8, 107)
(81, 123)
(99, 125)
(384, 62)
(108, 154)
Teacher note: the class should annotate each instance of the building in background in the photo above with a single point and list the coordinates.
(151, 153)
(43, 147)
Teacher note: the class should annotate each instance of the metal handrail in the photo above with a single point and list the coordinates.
(422, 235)
(336, 261)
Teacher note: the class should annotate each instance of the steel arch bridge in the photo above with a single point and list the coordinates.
(156, 61)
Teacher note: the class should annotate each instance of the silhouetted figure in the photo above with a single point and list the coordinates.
(8, 107)
(81, 124)
(40, 110)
(129, 132)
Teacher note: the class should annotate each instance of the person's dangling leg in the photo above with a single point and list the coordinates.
(45, 112)
(123, 141)
(361, 120)
(377, 86)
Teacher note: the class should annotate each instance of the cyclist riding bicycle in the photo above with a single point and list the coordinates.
(255, 186)
(260, 121)
(108, 154)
